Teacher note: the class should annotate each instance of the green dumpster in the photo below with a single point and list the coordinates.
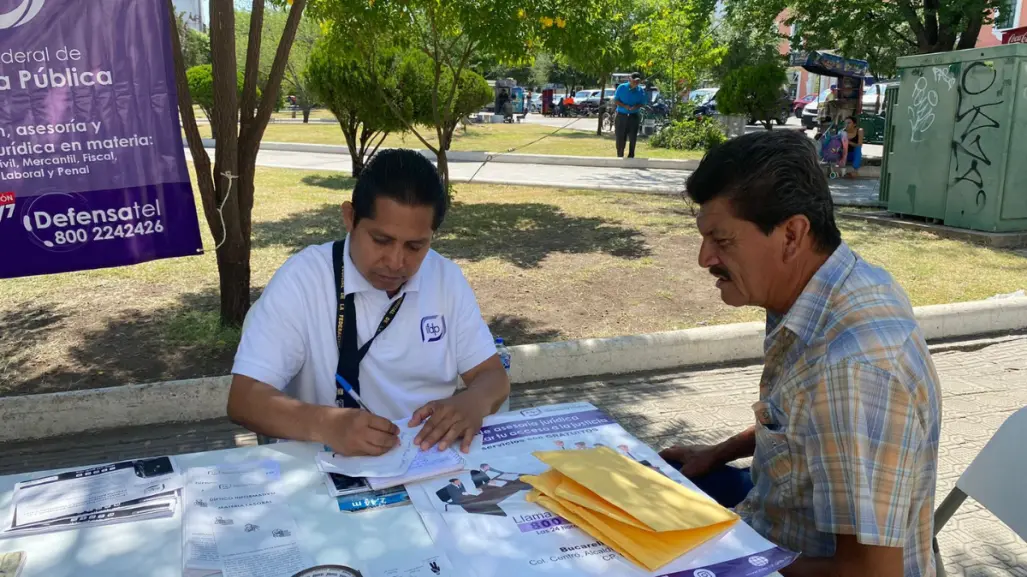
(954, 151)
(873, 128)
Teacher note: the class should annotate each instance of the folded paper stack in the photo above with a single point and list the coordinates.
(636, 511)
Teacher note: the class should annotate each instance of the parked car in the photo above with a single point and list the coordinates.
(801, 103)
(701, 96)
(783, 112)
(593, 98)
(874, 102)
(874, 98)
(705, 101)
(811, 112)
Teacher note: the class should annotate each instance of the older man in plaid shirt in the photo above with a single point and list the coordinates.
(845, 435)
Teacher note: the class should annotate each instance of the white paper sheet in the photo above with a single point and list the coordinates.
(431, 566)
(93, 489)
(259, 540)
(404, 464)
(209, 491)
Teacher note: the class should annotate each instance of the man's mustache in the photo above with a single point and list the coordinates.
(720, 272)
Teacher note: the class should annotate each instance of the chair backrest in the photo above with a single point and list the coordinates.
(996, 476)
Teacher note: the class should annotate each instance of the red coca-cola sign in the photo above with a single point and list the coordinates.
(1015, 36)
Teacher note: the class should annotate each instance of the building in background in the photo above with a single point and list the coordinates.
(801, 82)
(1005, 20)
(193, 11)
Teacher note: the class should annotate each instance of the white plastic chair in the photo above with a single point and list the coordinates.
(994, 479)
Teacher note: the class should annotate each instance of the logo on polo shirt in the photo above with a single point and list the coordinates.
(433, 328)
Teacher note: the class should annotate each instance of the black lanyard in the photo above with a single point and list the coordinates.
(346, 331)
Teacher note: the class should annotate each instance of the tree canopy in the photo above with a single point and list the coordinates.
(877, 31)
(675, 42)
(448, 33)
(346, 86)
(753, 91)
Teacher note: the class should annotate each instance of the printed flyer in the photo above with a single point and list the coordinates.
(480, 516)
(92, 168)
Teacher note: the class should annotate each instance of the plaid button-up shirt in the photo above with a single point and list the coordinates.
(848, 420)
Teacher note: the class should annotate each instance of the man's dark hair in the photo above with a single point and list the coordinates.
(406, 177)
(769, 177)
(854, 120)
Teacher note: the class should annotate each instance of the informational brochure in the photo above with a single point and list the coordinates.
(481, 519)
(209, 491)
(115, 492)
(258, 537)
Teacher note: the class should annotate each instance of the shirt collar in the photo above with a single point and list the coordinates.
(806, 316)
(354, 282)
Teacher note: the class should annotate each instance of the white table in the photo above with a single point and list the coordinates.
(153, 548)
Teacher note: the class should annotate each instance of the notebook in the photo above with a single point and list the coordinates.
(425, 465)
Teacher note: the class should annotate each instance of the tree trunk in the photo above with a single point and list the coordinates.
(306, 115)
(443, 164)
(602, 91)
(356, 155)
(234, 281)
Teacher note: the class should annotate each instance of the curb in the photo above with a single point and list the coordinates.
(499, 157)
(868, 172)
(47, 415)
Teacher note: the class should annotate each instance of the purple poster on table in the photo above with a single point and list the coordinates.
(92, 167)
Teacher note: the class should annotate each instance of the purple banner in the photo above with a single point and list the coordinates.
(92, 167)
(756, 565)
(543, 426)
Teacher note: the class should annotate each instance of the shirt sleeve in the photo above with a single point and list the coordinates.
(861, 442)
(273, 345)
(474, 342)
(619, 94)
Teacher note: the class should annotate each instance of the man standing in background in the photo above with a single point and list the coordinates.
(629, 99)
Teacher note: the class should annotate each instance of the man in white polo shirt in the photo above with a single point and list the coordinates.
(408, 327)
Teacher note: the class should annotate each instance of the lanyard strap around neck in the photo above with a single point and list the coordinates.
(346, 331)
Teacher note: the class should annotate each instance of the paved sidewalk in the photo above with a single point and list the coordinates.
(660, 181)
(984, 382)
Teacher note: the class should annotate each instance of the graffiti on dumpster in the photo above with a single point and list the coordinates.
(921, 113)
(978, 96)
(943, 75)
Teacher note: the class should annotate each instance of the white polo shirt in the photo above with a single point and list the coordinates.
(289, 341)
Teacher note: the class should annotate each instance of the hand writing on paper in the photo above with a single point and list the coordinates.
(696, 460)
(357, 433)
(449, 420)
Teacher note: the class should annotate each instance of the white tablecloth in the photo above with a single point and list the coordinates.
(153, 548)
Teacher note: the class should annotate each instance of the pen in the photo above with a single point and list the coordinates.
(348, 388)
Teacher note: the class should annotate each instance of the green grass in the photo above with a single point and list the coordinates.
(545, 264)
(522, 138)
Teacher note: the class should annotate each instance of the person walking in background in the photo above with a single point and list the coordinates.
(628, 98)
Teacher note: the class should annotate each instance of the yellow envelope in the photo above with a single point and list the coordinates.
(649, 549)
(570, 491)
(646, 495)
(555, 485)
(558, 508)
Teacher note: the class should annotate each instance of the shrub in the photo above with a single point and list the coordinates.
(702, 134)
(753, 91)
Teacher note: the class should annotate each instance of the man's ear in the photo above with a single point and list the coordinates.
(348, 215)
(796, 235)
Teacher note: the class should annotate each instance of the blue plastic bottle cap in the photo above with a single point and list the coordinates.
(499, 341)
